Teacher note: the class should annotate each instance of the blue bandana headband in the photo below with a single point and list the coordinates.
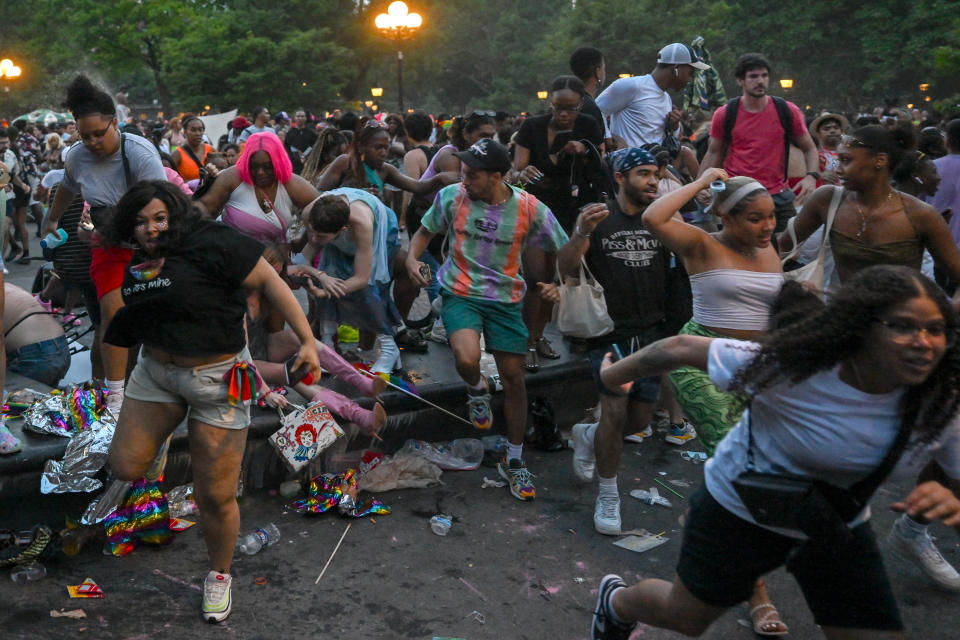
(623, 160)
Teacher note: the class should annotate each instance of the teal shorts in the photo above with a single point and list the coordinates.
(500, 322)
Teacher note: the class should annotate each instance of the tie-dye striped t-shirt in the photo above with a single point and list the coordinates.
(487, 241)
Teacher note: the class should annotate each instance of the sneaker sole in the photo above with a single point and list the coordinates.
(213, 617)
(607, 531)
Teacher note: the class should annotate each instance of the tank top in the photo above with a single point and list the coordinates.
(243, 213)
(188, 169)
(734, 298)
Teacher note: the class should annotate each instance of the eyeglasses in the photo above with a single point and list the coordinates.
(559, 109)
(905, 332)
(95, 135)
(373, 123)
(482, 113)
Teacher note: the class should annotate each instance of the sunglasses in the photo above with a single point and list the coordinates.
(484, 113)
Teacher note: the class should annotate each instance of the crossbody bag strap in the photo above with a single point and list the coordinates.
(831, 214)
(127, 175)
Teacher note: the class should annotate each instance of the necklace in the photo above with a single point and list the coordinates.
(863, 218)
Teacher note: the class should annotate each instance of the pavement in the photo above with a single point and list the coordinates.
(528, 570)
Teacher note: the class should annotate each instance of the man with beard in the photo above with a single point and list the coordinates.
(754, 139)
(631, 265)
(828, 129)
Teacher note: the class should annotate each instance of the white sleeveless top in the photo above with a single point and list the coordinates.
(734, 298)
(243, 213)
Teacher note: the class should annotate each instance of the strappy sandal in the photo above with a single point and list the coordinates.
(533, 360)
(766, 621)
(545, 349)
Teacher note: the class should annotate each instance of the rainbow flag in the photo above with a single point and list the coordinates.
(389, 377)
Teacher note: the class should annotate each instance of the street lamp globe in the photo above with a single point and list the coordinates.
(786, 83)
(414, 21)
(382, 21)
(398, 11)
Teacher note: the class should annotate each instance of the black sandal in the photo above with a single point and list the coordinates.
(411, 340)
(533, 360)
(545, 349)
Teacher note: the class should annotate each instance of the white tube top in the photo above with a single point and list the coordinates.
(734, 298)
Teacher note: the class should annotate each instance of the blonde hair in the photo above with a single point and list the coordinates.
(54, 141)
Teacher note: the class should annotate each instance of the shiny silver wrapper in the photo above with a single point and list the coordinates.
(106, 503)
(85, 455)
(37, 417)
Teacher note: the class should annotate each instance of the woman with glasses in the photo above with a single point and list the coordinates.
(557, 161)
(875, 371)
(101, 169)
(258, 195)
(191, 157)
(877, 224)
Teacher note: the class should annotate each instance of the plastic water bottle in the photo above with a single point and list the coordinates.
(494, 443)
(53, 239)
(73, 540)
(650, 497)
(28, 572)
(441, 524)
(258, 539)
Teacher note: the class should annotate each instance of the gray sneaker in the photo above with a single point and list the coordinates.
(606, 515)
(216, 597)
(921, 550)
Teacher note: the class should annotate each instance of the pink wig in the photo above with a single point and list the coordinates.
(269, 142)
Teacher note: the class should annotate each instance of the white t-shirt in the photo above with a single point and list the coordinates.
(52, 178)
(637, 109)
(820, 428)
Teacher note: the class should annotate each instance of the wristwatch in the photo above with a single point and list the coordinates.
(815, 174)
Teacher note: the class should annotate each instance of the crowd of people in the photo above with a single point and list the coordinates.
(780, 283)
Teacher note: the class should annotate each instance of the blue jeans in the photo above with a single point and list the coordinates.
(46, 361)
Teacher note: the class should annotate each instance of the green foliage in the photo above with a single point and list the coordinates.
(470, 53)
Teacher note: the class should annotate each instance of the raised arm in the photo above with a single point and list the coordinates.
(683, 239)
(569, 255)
(332, 176)
(213, 200)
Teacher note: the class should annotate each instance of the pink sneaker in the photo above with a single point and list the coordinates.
(72, 320)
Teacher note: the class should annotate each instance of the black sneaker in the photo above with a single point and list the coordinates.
(411, 340)
(604, 626)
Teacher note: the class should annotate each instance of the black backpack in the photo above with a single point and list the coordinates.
(786, 122)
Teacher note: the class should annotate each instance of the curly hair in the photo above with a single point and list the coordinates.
(84, 99)
(183, 216)
(835, 333)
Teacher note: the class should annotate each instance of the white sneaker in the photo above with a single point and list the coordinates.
(680, 433)
(921, 549)
(389, 359)
(584, 462)
(606, 515)
(640, 436)
(438, 333)
(216, 597)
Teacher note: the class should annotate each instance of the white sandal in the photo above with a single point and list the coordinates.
(768, 619)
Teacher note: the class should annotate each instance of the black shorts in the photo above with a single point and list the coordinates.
(845, 586)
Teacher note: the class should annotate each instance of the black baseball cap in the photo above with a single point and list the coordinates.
(487, 155)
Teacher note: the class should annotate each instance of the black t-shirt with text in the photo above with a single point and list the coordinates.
(631, 265)
(189, 302)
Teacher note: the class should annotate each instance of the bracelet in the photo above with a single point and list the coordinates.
(815, 174)
(580, 232)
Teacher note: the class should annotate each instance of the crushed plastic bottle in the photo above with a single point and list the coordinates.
(28, 572)
(259, 538)
(441, 524)
(650, 497)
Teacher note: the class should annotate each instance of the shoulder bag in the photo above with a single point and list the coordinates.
(812, 273)
(582, 310)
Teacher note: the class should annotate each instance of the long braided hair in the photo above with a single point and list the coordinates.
(828, 336)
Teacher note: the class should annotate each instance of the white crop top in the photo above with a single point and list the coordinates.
(734, 298)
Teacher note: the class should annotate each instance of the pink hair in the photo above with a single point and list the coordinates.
(269, 142)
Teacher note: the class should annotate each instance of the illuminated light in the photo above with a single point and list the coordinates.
(542, 94)
(376, 92)
(383, 21)
(786, 83)
(414, 21)
(398, 11)
(626, 75)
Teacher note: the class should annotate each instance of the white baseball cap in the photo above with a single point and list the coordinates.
(679, 53)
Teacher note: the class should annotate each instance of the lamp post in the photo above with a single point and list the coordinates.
(542, 95)
(398, 24)
(8, 71)
(786, 84)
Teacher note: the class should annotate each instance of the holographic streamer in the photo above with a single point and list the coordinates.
(328, 491)
(142, 517)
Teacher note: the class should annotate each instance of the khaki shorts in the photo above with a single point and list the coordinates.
(202, 389)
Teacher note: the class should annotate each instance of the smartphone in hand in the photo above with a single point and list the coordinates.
(301, 374)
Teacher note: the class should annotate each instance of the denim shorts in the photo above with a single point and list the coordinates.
(46, 361)
(203, 389)
(644, 389)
